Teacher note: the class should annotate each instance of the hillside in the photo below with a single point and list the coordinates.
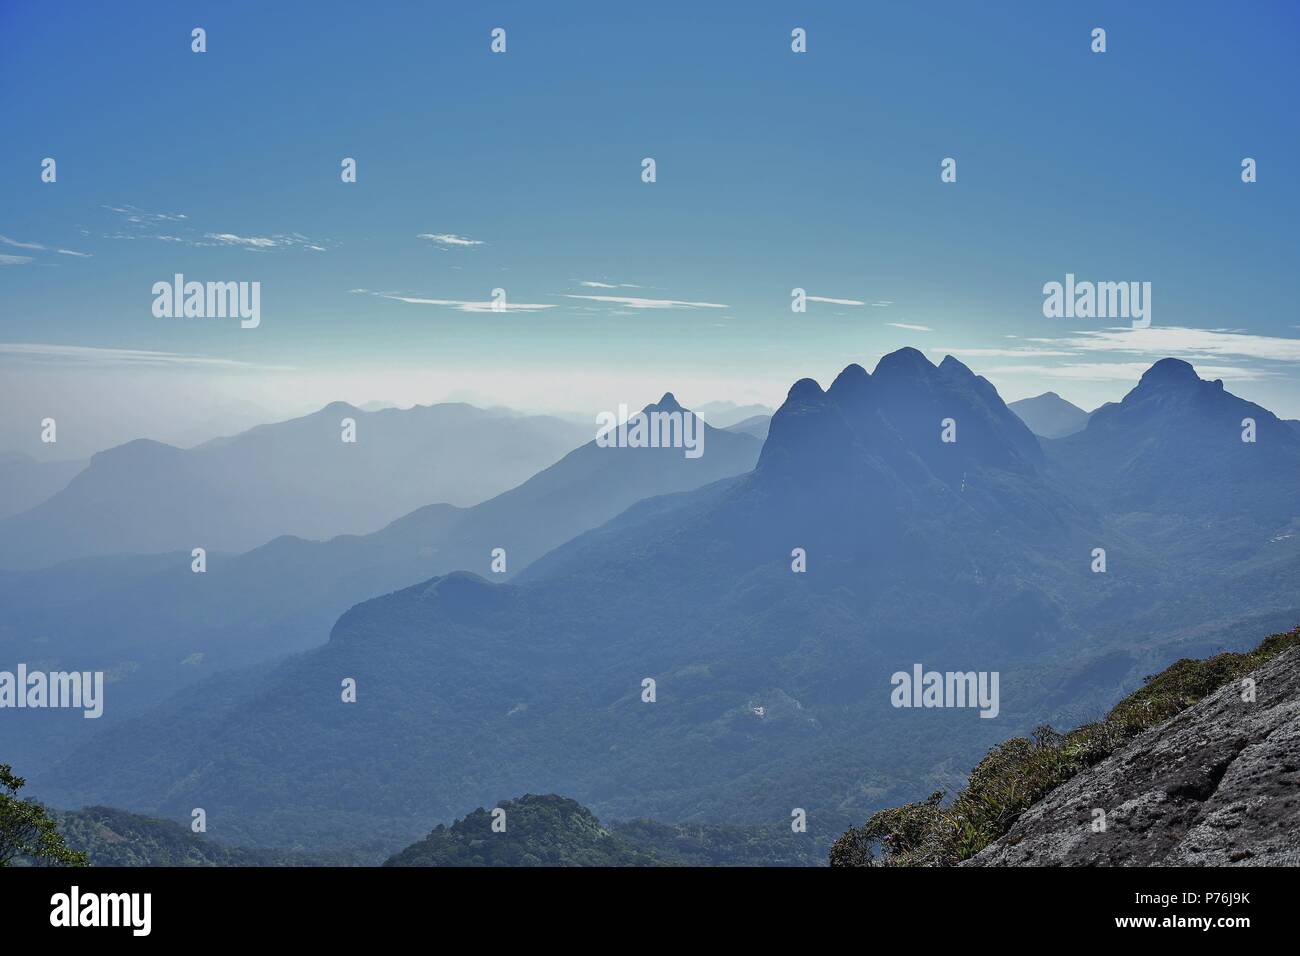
(26, 482)
(539, 831)
(111, 837)
(555, 831)
(1198, 767)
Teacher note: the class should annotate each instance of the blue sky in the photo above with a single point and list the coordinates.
(775, 170)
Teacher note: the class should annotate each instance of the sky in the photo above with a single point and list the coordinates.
(522, 171)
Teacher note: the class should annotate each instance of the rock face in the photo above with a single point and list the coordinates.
(1219, 784)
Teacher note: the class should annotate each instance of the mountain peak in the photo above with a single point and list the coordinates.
(668, 403)
(1170, 371)
(906, 362)
(853, 377)
(804, 389)
(950, 364)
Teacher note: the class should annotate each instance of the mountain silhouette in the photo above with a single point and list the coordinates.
(771, 684)
(157, 626)
(26, 482)
(1175, 444)
(1050, 416)
(295, 477)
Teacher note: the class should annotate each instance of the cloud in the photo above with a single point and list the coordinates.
(140, 225)
(1120, 371)
(822, 298)
(112, 356)
(138, 217)
(264, 242)
(882, 304)
(449, 239)
(253, 242)
(1177, 342)
(608, 285)
(6, 260)
(462, 305)
(910, 328)
(633, 302)
(21, 245)
(36, 246)
(1004, 353)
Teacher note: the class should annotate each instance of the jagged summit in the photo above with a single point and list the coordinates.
(1169, 371)
(667, 404)
(906, 362)
(804, 390)
(950, 364)
(887, 426)
(853, 377)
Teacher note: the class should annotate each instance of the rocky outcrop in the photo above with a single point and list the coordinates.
(1218, 784)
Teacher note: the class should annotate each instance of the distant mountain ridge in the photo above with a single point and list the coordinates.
(1050, 416)
(26, 482)
(295, 477)
(155, 627)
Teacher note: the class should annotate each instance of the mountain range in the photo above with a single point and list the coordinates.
(297, 477)
(154, 626)
(901, 516)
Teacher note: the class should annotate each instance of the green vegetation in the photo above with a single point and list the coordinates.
(26, 830)
(109, 837)
(556, 831)
(1020, 772)
(706, 844)
(539, 831)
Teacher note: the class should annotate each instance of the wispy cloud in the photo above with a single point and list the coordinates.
(20, 245)
(37, 247)
(910, 328)
(1026, 352)
(8, 260)
(139, 217)
(1177, 342)
(252, 242)
(266, 242)
(830, 301)
(145, 225)
(461, 305)
(41, 352)
(633, 302)
(882, 304)
(446, 239)
(1121, 371)
(592, 284)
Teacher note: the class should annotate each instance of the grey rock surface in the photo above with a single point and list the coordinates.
(1216, 785)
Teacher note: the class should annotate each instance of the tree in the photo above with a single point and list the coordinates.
(26, 830)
